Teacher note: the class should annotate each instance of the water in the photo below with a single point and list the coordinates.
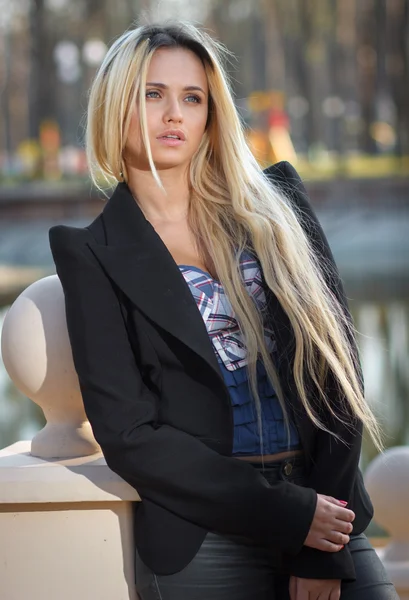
(20, 418)
(384, 350)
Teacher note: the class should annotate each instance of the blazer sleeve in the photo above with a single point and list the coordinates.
(165, 465)
(335, 465)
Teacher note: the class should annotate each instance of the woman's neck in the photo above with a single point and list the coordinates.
(158, 205)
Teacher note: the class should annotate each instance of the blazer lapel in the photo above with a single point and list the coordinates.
(139, 263)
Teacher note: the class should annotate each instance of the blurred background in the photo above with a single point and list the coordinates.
(321, 83)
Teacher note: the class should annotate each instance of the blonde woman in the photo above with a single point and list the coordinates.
(213, 343)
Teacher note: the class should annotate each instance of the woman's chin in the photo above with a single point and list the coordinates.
(164, 163)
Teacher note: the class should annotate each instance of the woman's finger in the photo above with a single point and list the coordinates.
(344, 514)
(293, 588)
(340, 539)
(343, 526)
(335, 593)
(302, 590)
(327, 546)
(340, 512)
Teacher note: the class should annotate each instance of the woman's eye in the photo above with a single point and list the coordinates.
(191, 98)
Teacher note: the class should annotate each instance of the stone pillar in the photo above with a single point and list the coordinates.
(387, 481)
(37, 355)
(65, 518)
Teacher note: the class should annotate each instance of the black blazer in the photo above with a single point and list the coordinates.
(160, 410)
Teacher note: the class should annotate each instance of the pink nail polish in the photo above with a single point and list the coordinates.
(343, 502)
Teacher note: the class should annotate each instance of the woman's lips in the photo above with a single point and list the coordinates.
(170, 141)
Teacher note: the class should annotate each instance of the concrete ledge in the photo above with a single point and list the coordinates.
(26, 479)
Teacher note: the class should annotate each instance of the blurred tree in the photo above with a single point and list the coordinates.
(5, 96)
(345, 71)
(368, 30)
(309, 54)
(97, 23)
(397, 68)
(42, 83)
(275, 58)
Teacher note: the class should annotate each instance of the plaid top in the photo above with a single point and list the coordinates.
(218, 314)
(224, 332)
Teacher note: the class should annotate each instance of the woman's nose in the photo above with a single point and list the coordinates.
(173, 112)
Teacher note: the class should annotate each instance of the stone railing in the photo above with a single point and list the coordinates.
(65, 518)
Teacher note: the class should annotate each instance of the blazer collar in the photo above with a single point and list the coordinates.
(140, 264)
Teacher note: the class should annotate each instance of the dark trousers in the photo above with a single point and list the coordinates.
(229, 567)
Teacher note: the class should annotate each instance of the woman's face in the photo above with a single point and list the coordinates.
(176, 110)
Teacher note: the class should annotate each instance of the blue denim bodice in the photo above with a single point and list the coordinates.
(224, 332)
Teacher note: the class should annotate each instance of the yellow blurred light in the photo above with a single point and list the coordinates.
(383, 133)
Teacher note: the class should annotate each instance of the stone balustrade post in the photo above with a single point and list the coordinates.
(387, 481)
(65, 518)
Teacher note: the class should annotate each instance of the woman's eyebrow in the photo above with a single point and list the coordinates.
(188, 88)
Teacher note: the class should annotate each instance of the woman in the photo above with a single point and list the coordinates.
(213, 344)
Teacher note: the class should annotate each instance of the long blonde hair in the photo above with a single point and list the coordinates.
(233, 207)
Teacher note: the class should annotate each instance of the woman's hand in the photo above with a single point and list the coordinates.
(331, 525)
(314, 589)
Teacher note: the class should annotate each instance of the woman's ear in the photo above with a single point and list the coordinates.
(123, 169)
